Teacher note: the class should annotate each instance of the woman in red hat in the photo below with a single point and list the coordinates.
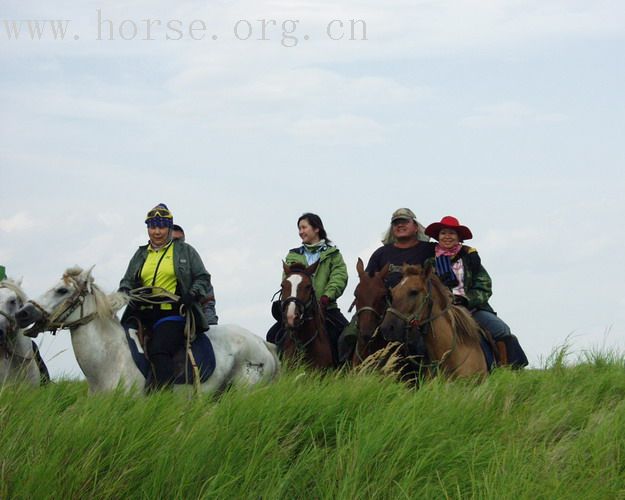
(460, 268)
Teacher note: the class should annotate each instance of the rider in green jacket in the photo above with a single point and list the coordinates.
(329, 280)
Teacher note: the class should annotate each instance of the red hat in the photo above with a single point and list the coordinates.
(448, 222)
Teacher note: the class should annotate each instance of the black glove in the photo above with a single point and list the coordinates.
(445, 272)
(187, 299)
(459, 300)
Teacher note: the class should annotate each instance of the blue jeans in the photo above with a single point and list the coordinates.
(491, 322)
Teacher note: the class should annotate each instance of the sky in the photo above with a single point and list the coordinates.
(509, 115)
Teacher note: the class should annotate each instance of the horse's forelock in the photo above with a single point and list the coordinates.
(72, 272)
(409, 270)
(297, 267)
(14, 287)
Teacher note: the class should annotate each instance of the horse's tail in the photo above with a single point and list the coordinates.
(273, 349)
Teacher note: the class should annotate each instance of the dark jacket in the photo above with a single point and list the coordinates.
(418, 254)
(191, 276)
(478, 287)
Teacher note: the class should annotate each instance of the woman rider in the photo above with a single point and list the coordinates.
(461, 269)
(329, 280)
(175, 266)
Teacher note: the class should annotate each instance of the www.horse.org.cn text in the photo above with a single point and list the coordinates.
(287, 32)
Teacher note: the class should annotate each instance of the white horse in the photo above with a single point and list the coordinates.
(101, 346)
(17, 358)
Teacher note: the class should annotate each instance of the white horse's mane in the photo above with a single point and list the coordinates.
(106, 305)
(14, 286)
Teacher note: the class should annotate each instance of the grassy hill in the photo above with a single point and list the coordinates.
(552, 433)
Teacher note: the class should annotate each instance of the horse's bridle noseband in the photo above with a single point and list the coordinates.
(302, 308)
(56, 319)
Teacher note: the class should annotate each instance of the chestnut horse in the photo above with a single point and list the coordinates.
(303, 320)
(423, 306)
(371, 302)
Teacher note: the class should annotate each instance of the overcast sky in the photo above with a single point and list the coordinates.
(506, 114)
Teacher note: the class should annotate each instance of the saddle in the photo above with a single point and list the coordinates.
(202, 355)
(505, 352)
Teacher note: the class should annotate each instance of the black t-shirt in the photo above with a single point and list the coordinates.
(397, 257)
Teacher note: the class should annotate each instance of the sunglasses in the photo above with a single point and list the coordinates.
(397, 222)
(160, 212)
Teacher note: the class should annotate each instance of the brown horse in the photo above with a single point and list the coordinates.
(303, 320)
(422, 305)
(371, 302)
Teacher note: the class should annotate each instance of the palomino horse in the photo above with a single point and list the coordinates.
(371, 301)
(303, 320)
(102, 349)
(18, 361)
(423, 306)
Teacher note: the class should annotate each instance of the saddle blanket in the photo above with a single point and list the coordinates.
(201, 348)
(491, 362)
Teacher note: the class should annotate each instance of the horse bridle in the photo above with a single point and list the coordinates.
(378, 316)
(11, 320)
(414, 320)
(56, 319)
(12, 328)
(302, 308)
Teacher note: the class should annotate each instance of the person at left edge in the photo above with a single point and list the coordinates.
(177, 267)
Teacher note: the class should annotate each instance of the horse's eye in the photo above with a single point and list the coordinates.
(413, 293)
(13, 302)
(61, 291)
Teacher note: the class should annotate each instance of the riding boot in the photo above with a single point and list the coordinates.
(163, 366)
(335, 324)
(272, 334)
(516, 356)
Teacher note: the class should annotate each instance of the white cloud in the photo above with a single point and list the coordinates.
(510, 114)
(21, 221)
(343, 129)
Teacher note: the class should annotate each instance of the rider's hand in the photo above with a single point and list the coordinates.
(187, 299)
(324, 300)
(459, 300)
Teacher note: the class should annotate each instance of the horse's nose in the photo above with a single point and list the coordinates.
(26, 315)
(2, 334)
(390, 332)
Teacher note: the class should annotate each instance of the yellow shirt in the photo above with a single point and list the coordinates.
(165, 275)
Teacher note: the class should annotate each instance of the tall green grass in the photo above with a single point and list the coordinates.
(552, 433)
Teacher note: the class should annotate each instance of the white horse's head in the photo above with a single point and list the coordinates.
(12, 298)
(70, 300)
